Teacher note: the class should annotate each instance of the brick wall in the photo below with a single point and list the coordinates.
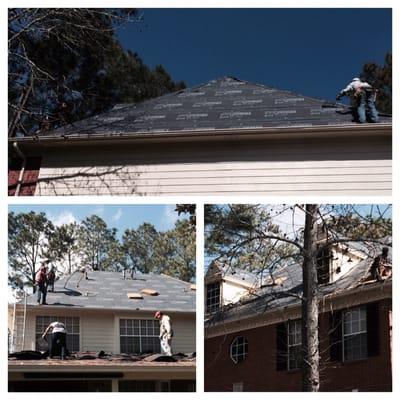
(29, 178)
(258, 371)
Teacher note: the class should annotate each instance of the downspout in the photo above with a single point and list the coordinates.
(22, 171)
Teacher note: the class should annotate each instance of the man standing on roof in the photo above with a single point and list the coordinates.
(381, 268)
(58, 339)
(166, 333)
(362, 99)
(41, 281)
(51, 277)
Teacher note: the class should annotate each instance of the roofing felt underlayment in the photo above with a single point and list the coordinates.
(222, 104)
(109, 290)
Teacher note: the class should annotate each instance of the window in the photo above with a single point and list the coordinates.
(213, 296)
(239, 349)
(71, 323)
(288, 345)
(294, 344)
(139, 336)
(355, 333)
(354, 328)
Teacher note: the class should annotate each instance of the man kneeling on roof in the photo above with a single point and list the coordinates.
(166, 333)
(381, 268)
(58, 339)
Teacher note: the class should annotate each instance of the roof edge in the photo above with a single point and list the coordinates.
(242, 133)
(287, 312)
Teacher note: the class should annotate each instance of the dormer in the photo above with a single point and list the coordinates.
(226, 285)
(335, 260)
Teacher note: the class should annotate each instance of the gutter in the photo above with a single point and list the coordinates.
(206, 134)
(22, 171)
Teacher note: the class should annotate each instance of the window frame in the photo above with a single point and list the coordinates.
(155, 335)
(244, 346)
(297, 325)
(212, 306)
(354, 334)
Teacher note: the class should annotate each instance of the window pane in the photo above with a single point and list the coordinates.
(239, 349)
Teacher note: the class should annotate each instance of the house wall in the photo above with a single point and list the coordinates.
(350, 165)
(258, 371)
(99, 330)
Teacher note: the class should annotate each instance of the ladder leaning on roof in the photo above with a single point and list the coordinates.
(19, 326)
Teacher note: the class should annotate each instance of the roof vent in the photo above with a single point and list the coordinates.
(192, 286)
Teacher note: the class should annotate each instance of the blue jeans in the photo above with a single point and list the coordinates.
(41, 293)
(371, 109)
(366, 108)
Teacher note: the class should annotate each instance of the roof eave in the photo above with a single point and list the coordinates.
(327, 303)
(102, 309)
(215, 134)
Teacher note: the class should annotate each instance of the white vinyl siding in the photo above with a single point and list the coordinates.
(100, 330)
(353, 165)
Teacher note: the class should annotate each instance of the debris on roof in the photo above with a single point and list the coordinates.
(97, 358)
(108, 290)
(149, 292)
(134, 296)
(290, 289)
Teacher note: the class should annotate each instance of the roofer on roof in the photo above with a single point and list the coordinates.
(58, 339)
(381, 268)
(166, 333)
(362, 99)
(41, 280)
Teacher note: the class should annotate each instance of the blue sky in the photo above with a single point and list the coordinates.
(314, 52)
(119, 216)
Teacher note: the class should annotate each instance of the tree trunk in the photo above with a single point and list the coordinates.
(69, 263)
(309, 329)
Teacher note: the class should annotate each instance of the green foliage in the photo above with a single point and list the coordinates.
(180, 260)
(187, 209)
(95, 241)
(244, 235)
(63, 243)
(380, 77)
(92, 244)
(27, 237)
(66, 64)
(139, 247)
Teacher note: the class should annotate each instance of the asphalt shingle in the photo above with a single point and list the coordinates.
(110, 290)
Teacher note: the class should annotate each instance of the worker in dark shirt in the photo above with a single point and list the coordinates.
(58, 339)
(381, 266)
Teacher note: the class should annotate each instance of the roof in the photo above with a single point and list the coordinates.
(109, 290)
(221, 104)
(288, 291)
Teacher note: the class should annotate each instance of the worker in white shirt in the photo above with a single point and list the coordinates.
(166, 333)
(362, 99)
(58, 338)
